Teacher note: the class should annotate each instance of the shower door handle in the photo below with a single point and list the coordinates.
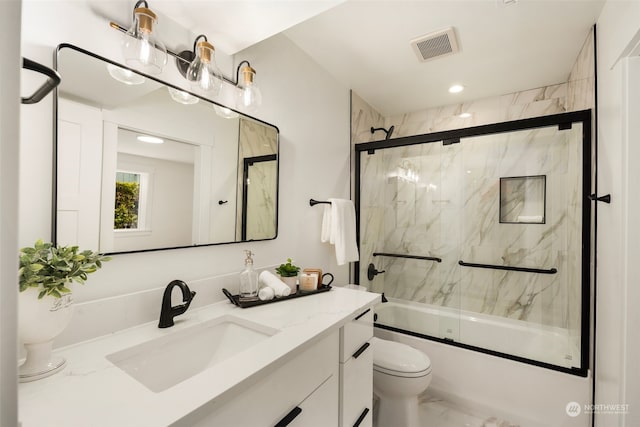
(372, 272)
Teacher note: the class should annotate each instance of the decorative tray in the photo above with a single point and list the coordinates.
(235, 299)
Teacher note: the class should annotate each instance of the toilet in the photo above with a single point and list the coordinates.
(400, 374)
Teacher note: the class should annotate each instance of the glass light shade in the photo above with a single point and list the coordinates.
(125, 76)
(141, 48)
(225, 112)
(249, 96)
(203, 71)
(182, 97)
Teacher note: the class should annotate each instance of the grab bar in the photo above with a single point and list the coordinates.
(509, 268)
(427, 258)
(48, 86)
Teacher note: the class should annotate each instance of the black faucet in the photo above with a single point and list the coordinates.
(167, 313)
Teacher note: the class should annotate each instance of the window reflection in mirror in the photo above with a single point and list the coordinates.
(191, 189)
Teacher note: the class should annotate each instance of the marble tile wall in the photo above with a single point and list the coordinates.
(257, 139)
(443, 201)
(363, 117)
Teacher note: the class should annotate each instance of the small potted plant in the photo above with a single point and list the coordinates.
(289, 274)
(46, 305)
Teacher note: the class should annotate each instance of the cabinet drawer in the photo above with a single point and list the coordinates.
(356, 389)
(355, 333)
(319, 409)
(265, 402)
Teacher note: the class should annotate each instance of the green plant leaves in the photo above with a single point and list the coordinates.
(288, 269)
(51, 267)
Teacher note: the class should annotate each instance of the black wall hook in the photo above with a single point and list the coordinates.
(606, 198)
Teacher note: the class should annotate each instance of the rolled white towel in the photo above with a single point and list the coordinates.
(266, 293)
(269, 279)
(536, 219)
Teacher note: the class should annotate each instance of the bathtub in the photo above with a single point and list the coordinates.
(513, 338)
(483, 372)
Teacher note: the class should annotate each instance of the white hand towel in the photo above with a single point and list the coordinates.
(325, 233)
(269, 279)
(343, 230)
(266, 293)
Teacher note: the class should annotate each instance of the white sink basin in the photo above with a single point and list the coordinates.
(164, 362)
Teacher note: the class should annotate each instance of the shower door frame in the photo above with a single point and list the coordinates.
(563, 121)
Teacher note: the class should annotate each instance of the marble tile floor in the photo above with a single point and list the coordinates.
(436, 412)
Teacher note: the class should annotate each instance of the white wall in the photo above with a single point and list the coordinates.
(9, 137)
(617, 324)
(168, 216)
(310, 108)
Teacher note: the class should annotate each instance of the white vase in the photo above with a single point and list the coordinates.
(291, 282)
(39, 322)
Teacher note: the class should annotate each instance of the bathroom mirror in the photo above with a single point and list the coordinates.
(143, 166)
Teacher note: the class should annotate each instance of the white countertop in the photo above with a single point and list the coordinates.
(91, 391)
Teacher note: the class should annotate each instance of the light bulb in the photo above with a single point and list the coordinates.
(203, 71)
(140, 46)
(249, 96)
(182, 97)
(225, 112)
(145, 49)
(125, 76)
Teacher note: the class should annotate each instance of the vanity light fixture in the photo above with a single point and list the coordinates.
(150, 139)
(141, 48)
(199, 66)
(249, 96)
(182, 97)
(125, 76)
(456, 88)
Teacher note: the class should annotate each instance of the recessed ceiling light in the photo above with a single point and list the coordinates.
(465, 115)
(456, 89)
(150, 139)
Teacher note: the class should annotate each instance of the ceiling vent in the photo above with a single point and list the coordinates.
(435, 45)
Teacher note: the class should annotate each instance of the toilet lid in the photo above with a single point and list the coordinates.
(399, 359)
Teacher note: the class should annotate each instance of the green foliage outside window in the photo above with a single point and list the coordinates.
(127, 196)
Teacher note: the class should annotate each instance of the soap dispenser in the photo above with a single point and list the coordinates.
(248, 280)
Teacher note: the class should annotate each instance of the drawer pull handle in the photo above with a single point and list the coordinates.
(289, 417)
(361, 350)
(361, 417)
(362, 314)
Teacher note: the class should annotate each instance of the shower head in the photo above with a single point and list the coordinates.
(388, 132)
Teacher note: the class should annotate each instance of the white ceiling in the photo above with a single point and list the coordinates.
(234, 25)
(504, 48)
(365, 44)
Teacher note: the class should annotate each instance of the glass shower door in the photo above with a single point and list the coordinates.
(404, 192)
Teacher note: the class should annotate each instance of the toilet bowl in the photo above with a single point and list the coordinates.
(400, 374)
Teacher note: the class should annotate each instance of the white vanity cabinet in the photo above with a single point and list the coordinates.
(356, 371)
(300, 392)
